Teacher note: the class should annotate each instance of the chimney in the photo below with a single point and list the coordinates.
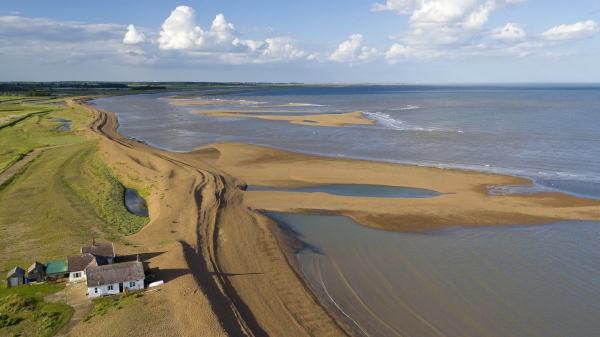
(93, 241)
(138, 258)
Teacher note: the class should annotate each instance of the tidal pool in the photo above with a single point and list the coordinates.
(134, 203)
(487, 281)
(67, 122)
(356, 190)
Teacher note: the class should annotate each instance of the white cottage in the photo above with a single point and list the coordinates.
(78, 264)
(114, 278)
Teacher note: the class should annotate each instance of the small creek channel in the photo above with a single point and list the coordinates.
(134, 203)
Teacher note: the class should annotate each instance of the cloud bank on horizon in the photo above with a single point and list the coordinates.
(436, 30)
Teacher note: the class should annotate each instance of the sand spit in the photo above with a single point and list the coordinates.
(465, 201)
(224, 269)
(338, 120)
(182, 102)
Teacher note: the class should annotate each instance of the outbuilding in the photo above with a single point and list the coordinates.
(37, 272)
(56, 269)
(15, 277)
(114, 278)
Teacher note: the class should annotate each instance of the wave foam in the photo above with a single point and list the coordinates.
(406, 107)
(391, 123)
(305, 104)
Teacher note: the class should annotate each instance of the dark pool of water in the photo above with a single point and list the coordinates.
(134, 203)
(356, 190)
(67, 122)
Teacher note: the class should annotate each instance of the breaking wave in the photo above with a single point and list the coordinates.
(387, 121)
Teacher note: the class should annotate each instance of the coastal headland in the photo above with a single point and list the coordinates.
(226, 269)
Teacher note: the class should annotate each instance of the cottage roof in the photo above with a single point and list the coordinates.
(80, 262)
(107, 250)
(56, 267)
(36, 266)
(114, 273)
(16, 271)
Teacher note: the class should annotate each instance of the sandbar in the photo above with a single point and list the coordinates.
(331, 120)
(464, 202)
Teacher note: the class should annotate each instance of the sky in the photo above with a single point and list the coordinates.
(334, 41)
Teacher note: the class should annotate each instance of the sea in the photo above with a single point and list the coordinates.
(515, 280)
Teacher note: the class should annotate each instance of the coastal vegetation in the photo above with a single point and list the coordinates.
(65, 196)
(104, 305)
(24, 313)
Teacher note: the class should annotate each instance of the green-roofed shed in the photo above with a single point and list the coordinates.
(57, 269)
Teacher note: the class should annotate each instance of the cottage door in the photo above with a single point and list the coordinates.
(13, 281)
(120, 287)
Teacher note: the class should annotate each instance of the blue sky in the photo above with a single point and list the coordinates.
(385, 41)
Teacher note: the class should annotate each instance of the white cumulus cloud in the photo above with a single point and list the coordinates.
(133, 36)
(398, 51)
(352, 50)
(400, 6)
(443, 22)
(277, 49)
(576, 31)
(509, 32)
(179, 32)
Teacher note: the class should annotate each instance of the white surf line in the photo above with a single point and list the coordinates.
(332, 300)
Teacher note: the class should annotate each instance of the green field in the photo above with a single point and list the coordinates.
(25, 127)
(63, 198)
(23, 312)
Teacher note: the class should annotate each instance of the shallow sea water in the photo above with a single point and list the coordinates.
(546, 133)
(490, 281)
(355, 190)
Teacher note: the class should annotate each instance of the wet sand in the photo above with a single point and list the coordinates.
(343, 119)
(465, 201)
(227, 272)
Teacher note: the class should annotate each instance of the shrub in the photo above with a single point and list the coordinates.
(6, 320)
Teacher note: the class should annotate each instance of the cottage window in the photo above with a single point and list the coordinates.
(132, 284)
(77, 275)
(110, 287)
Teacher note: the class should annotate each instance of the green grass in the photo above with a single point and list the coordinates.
(31, 127)
(23, 312)
(105, 304)
(62, 199)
